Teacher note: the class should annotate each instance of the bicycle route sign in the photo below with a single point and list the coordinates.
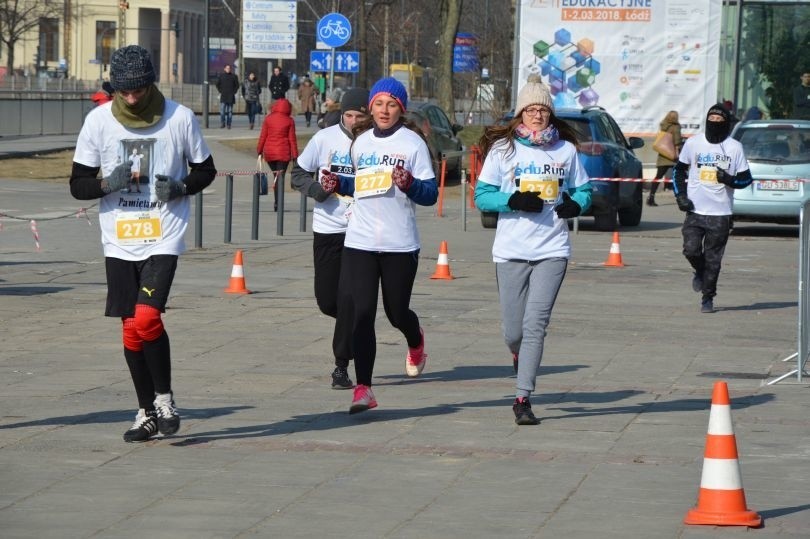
(334, 30)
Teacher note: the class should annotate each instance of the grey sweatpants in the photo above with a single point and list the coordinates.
(528, 290)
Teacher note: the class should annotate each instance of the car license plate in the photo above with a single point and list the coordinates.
(778, 185)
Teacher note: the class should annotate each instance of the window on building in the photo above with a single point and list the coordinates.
(105, 40)
(49, 39)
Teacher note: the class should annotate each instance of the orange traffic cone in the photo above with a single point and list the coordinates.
(237, 285)
(615, 255)
(721, 500)
(442, 265)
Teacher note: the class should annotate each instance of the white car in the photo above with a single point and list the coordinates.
(778, 153)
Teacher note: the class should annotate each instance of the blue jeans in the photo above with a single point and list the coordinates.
(252, 110)
(225, 114)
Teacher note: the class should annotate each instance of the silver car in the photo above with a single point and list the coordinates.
(778, 153)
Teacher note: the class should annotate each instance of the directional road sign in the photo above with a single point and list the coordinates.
(269, 29)
(334, 29)
(344, 62)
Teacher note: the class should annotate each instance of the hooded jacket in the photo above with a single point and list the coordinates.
(277, 141)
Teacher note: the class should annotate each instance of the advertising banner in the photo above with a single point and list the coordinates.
(637, 59)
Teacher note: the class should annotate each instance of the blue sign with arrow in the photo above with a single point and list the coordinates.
(344, 61)
(334, 30)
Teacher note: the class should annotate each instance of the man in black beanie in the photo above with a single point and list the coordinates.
(142, 232)
(710, 166)
(327, 153)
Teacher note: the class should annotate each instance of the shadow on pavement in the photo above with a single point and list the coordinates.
(32, 290)
(470, 372)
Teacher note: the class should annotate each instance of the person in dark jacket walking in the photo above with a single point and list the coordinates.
(251, 89)
(227, 86)
(277, 143)
(279, 84)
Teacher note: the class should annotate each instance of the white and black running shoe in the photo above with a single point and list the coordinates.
(145, 427)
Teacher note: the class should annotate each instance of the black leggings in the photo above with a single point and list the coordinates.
(659, 173)
(330, 292)
(370, 271)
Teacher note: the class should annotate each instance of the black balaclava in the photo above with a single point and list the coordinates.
(717, 132)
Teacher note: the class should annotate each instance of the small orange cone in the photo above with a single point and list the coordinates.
(442, 265)
(614, 258)
(237, 285)
(721, 500)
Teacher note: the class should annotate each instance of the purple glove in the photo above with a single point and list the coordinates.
(402, 178)
(329, 180)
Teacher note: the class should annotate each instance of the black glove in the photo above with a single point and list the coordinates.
(167, 189)
(684, 204)
(724, 177)
(118, 178)
(567, 208)
(525, 201)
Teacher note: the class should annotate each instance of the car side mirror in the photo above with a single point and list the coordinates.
(457, 128)
(636, 142)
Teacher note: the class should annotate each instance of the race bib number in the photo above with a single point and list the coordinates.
(138, 228)
(372, 181)
(708, 175)
(547, 186)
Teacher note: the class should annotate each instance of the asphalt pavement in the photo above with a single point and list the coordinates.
(267, 449)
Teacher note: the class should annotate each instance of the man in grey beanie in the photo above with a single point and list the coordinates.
(327, 153)
(142, 230)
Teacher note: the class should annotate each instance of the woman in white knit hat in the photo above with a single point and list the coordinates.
(533, 177)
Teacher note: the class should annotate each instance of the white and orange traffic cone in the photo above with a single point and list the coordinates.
(237, 284)
(442, 265)
(721, 500)
(614, 258)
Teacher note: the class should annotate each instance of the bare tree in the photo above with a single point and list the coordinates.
(18, 17)
(449, 15)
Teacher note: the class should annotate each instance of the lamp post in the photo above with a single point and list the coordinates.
(205, 86)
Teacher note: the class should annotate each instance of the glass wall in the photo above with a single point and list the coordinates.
(763, 52)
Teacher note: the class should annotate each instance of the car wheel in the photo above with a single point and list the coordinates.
(632, 216)
(489, 219)
(605, 222)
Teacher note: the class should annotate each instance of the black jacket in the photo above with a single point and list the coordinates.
(278, 85)
(227, 86)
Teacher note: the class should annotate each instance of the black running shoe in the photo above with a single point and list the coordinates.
(523, 412)
(168, 419)
(340, 379)
(145, 427)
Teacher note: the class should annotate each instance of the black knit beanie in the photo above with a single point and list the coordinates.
(355, 99)
(131, 68)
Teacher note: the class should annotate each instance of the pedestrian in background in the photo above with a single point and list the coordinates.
(711, 165)
(533, 177)
(327, 152)
(251, 90)
(142, 233)
(227, 86)
(330, 110)
(277, 143)
(105, 95)
(306, 96)
(670, 124)
(801, 98)
(278, 84)
(393, 173)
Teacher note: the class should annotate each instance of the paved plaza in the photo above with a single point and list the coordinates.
(267, 449)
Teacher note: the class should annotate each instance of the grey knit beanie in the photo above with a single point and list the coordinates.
(131, 68)
(355, 99)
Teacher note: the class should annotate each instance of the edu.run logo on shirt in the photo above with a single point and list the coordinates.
(375, 160)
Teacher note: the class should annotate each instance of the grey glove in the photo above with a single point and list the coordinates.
(167, 189)
(118, 178)
(725, 178)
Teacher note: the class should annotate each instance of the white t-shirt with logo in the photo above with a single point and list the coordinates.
(135, 226)
(704, 158)
(329, 148)
(383, 217)
(550, 171)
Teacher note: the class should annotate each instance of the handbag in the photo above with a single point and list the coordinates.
(263, 187)
(664, 145)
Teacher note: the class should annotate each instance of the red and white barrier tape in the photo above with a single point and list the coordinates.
(35, 233)
(668, 180)
(238, 172)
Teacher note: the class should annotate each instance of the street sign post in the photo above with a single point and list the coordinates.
(344, 61)
(269, 29)
(334, 30)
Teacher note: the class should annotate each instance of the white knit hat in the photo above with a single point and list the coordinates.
(533, 93)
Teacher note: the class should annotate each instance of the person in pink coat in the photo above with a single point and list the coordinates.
(277, 143)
